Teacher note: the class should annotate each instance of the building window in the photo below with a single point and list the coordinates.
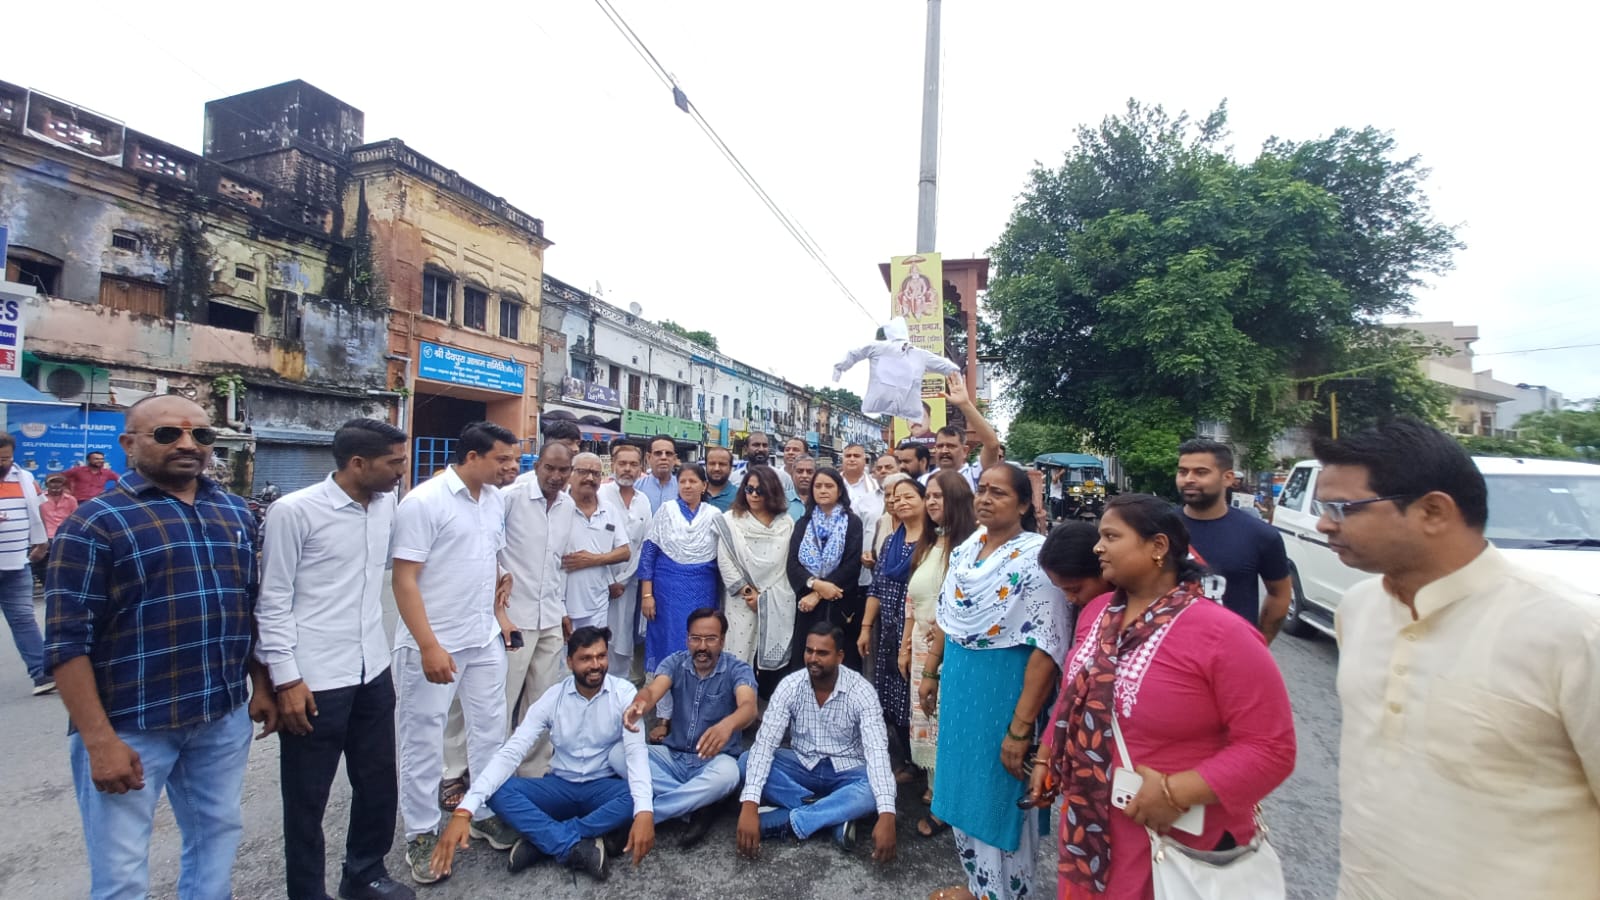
(147, 298)
(122, 240)
(222, 315)
(510, 319)
(436, 290)
(36, 269)
(244, 273)
(475, 308)
(736, 407)
(616, 378)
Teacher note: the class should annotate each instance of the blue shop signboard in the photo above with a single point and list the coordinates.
(55, 438)
(463, 367)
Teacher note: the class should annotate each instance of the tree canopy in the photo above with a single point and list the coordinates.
(703, 338)
(1027, 439)
(837, 396)
(1151, 282)
(1557, 434)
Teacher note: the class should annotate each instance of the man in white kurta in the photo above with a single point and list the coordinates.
(1469, 762)
(596, 544)
(633, 508)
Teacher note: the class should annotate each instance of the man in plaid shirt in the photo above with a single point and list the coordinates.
(149, 602)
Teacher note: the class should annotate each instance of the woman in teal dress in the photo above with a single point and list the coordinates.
(1006, 629)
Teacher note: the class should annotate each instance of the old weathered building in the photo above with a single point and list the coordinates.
(159, 270)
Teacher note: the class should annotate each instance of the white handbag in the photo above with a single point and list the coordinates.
(1250, 872)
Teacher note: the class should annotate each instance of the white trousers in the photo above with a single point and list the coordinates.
(530, 672)
(419, 719)
(622, 617)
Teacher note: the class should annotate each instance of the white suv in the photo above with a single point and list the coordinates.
(1544, 514)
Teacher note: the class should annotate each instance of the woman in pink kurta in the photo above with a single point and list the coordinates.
(1198, 697)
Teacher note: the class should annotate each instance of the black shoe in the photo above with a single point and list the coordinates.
(615, 841)
(589, 856)
(696, 827)
(381, 888)
(523, 855)
(844, 836)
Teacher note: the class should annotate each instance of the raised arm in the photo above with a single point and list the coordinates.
(956, 392)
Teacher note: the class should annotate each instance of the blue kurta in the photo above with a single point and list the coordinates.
(977, 697)
(679, 590)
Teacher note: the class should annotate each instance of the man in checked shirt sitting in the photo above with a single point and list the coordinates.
(836, 768)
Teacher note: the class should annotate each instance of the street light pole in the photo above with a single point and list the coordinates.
(928, 180)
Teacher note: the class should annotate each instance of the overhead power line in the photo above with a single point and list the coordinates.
(682, 101)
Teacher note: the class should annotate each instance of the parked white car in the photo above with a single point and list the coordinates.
(1544, 514)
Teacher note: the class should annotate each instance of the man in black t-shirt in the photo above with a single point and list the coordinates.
(1236, 547)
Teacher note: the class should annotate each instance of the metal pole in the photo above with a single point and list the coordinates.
(928, 181)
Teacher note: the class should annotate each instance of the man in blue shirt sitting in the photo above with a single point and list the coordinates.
(695, 763)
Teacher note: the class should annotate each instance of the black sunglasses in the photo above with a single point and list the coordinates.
(169, 434)
(753, 489)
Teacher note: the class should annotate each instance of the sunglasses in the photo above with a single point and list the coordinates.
(753, 489)
(169, 434)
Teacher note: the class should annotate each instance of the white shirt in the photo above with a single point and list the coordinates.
(537, 532)
(20, 524)
(847, 729)
(637, 515)
(589, 590)
(1469, 759)
(456, 538)
(320, 610)
(894, 382)
(583, 734)
(866, 502)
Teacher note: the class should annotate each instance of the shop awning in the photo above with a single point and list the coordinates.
(15, 390)
(597, 433)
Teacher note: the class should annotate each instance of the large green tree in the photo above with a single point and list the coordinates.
(1027, 439)
(1152, 282)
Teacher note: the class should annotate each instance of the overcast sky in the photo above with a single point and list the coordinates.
(546, 105)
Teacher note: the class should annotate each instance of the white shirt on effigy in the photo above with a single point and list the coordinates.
(456, 539)
(320, 610)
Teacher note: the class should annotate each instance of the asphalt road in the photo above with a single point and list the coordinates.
(42, 855)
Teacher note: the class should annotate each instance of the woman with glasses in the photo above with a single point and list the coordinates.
(1196, 695)
(753, 558)
(825, 564)
(678, 566)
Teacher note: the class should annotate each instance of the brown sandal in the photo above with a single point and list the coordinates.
(451, 792)
(928, 826)
(954, 892)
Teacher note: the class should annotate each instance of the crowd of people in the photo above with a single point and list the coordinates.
(580, 659)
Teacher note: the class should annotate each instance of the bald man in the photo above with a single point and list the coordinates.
(597, 550)
(150, 596)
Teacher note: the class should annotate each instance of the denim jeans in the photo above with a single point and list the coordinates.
(682, 788)
(555, 814)
(16, 599)
(840, 796)
(201, 768)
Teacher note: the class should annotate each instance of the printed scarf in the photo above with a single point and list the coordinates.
(822, 546)
(1081, 754)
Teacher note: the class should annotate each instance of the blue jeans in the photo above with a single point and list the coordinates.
(16, 599)
(840, 796)
(681, 788)
(555, 814)
(201, 768)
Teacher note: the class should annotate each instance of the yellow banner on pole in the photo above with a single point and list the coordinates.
(917, 295)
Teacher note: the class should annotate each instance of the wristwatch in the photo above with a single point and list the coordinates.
(811, 581)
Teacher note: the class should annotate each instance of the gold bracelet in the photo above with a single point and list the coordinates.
(927, 674)
(1166, 790)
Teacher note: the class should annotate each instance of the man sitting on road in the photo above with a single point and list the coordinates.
(836, 768)
(565, 814)
(714, 700)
